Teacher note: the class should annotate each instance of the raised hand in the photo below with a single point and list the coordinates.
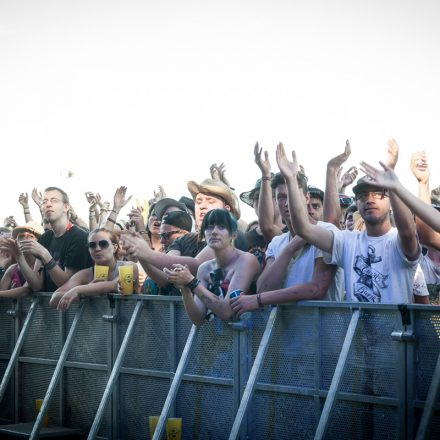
(159, 194)
(383, 179)
(10, 222)
(90, 198)
(347, 178)
(419, 167)
(263, 164)
(337, 161)
(393, 153)
(23, 199)
(119, 200)
(137, 218)
(37, 197)
(287, 168)
(214, 171)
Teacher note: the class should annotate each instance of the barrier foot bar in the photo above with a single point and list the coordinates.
(18, 346)
(337, 377)
(253, 376)
(58, 371)
(115, 372)
(431, 399)
(175, 384)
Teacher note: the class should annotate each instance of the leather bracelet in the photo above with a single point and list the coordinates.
(260, 303)
(111, 220)
(50, 265)
(193, 284)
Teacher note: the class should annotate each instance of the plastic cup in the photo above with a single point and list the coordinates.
(153, 423)
(174, 428)
(101, 272)
(38, 405)
(234, 294)
(126, 279)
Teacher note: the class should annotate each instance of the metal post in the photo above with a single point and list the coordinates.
(181, 367)
(253, 376)
(58, 371)
(431, 400)
(115, 372)
(18, 346)
(337, 377)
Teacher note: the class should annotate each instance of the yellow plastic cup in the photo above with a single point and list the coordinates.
(38, 404)
(126, 279)
(101, 272)
(153, 423)
(174, 428)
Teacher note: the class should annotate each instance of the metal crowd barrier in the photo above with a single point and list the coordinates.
(310, 370)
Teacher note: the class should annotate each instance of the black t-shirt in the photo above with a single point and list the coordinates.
(69, 250)
(189, 245)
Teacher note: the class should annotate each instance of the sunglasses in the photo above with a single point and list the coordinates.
(103, 244)
(167, 235)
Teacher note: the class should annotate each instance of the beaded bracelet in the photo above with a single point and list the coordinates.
(193, 284)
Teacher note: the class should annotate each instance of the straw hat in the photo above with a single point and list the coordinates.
(32, 227)
(217, 188)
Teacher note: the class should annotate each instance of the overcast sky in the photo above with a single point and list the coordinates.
(141, 93)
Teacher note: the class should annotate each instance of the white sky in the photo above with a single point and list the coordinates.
(140, 93)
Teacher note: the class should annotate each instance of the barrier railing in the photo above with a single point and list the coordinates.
(286, 373)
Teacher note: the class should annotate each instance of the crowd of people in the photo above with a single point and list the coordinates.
(381, 244)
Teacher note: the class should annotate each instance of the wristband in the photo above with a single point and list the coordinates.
(111, 220)
(50, 265)
(26, 211)
(193, 284)
(268, 178)
(114, 211)
(260, 303)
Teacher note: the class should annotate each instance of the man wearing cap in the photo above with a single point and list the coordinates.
(61, 251)
(379, 263)
(13, 283)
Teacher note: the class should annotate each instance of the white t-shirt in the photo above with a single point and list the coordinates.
(300, 270)
(432, 277)
(375, 268)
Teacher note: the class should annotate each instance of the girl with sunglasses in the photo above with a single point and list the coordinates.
(104, 249)
(232, 270)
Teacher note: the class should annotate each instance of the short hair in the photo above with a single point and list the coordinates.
(218, 217)
(301, 179)
(179, 219)
(64, 195)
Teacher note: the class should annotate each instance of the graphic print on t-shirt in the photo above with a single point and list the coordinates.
(370, 281)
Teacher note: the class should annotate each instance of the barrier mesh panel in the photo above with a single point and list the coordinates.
(6, 408)
(291, 357)
(140, 397)
(207, 411)
(373, 359)
(34, 384)
(183, 326)
(427, 331)
(212, 354)
(83, 393)
(149, 346)
(358, 420)
(93, 333)
(333, 328)
(43, 339)
(282, 416)
(6, 327)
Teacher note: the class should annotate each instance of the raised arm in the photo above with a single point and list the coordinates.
(313, 234)
(23, 199)
(420, 169)
(332, 208)
(265, 202)
(403, 217)
(119, 201)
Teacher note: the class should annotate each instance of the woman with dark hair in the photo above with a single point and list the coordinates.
(104, 249)
(231, 270)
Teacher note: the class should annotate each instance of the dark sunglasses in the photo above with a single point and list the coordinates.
(167, 235)
(103, 244)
